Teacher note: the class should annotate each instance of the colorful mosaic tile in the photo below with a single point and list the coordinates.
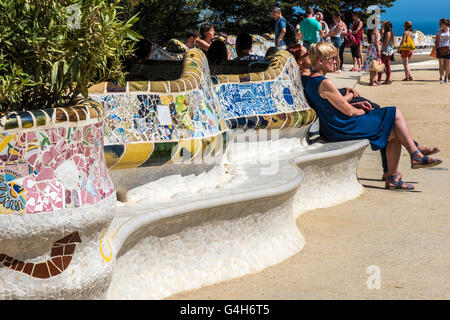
(52, 169)
(60, 259)
(279, 94)
(158, 119)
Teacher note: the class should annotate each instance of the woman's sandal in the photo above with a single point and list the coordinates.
(385, 175)
(391, 184)
(428, 151)
(424, 162)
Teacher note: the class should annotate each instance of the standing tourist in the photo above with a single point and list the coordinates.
(337, 30)
(309, 28)
(406, 49)
(207, 34)
(374, 53)
(387, 50)
(357, 31)
(323, 25)
(443, 50)
(280, 27)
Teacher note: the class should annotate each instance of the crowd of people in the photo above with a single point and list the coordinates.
(343, 114)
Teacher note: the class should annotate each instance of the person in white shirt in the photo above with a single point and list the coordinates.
(442, 50)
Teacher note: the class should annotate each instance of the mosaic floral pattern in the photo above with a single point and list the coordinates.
(52, 169)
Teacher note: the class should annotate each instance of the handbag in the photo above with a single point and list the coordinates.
(443, 51)
(349, 39)
(376, 65)
(433, 53)
(409, 44)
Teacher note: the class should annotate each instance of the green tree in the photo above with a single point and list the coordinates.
(162, 20)
(253, 16)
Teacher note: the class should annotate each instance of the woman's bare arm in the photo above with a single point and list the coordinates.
(336, 31)
(202, 44)
(386, 41)
(401, 42)
(328, 90)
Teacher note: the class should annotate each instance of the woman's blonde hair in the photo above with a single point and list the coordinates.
(324, 50)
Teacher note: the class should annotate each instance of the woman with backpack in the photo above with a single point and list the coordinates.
(406, 49)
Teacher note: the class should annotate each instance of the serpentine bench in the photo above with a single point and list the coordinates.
(181, 228)
(185, 218)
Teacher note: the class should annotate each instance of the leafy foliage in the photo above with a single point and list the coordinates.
(47, 60)
(253, 16)
(162, 20)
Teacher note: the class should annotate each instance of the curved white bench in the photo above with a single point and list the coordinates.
(193, 241)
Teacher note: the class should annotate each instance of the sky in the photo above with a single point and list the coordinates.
(424, 14)
(418, 10)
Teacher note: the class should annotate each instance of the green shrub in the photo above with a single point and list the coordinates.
(47, 58)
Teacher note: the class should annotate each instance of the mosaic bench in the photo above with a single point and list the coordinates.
(162, 126)
(272, 99)
(56, 200)
(164, 246)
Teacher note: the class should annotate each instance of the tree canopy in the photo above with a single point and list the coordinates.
(161, 20)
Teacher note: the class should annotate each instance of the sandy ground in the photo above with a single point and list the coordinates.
(405, 234)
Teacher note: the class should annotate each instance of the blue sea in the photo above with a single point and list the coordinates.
(427, 27)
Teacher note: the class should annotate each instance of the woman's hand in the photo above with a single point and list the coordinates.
(363, 105)
(354, 92)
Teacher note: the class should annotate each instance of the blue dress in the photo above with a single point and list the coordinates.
(376, 126)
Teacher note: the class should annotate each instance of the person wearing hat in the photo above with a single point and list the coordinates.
(406, 49)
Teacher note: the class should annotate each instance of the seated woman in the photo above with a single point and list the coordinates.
(342, 121)
(353, 97)
(207, 34)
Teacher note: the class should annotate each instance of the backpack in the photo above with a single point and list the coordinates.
(349, 39)
(408, 44)
(289, 37)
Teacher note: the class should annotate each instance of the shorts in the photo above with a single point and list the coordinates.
(336, 41)
(355, 51)
(442, 56)
(406, 53)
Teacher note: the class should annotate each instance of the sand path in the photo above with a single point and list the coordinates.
(406, 235)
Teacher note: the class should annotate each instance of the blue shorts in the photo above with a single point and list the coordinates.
(443, 57)
(336, 41)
